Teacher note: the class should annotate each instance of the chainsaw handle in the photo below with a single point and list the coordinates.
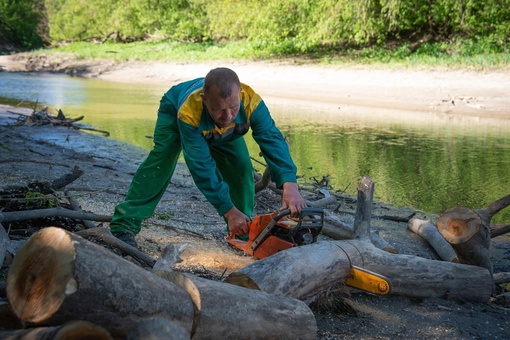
(304, 212)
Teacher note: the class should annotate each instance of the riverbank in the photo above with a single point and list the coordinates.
(354, 90)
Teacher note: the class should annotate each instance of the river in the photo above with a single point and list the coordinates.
(430, 163)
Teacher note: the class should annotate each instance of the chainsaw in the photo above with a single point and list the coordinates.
(274, 232)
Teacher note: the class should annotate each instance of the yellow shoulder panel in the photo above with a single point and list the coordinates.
(191, 110)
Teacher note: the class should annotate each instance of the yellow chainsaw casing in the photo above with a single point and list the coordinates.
(368, 281)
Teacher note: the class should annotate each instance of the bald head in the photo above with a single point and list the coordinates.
(224, 79)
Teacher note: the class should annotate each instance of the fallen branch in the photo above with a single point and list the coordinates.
(14, 216)
(106, 236)
(429, 232)
(499, 229)
(76, 206)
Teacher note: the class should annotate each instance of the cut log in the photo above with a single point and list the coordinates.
(58, 276)
(468, 234)
(227, 311)
(76, 330)
(302, 272)
(221, 307)
(429, 232)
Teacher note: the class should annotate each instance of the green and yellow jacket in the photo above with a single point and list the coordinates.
(198, 132)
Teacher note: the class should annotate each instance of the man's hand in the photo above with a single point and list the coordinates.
(237, 222)
(292, 199)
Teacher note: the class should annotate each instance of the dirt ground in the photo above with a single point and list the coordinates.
(184, 216)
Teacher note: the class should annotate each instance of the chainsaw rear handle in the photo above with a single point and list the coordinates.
(307, 218)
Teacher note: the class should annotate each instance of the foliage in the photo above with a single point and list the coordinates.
(19, 22)
(281, 27)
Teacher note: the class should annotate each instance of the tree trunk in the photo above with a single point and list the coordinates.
(468, 234)
(225, 311)
(302, 272)
(58, 276)
(157, 328)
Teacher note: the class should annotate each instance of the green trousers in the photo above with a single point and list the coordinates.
(153, 176)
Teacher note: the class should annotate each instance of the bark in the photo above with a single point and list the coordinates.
(499, 229)
(58, 276)
(225, 311)
(302, 272)
(429, 232)
(157, 328)
(220, 307)
(71, 330)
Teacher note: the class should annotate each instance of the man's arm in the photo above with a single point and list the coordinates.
(292, 199)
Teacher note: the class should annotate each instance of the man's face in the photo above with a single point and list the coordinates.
(222, 110)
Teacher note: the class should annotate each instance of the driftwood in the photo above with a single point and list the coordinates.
(71, 330)
(42, 117)
(468, 231)
(429, 232)
(68, 282)
(324, 264)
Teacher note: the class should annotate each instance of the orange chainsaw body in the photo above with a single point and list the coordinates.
(274, 232)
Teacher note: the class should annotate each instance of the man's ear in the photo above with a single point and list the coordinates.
(202, 95)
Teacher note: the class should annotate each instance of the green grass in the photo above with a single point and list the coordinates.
(458, 54)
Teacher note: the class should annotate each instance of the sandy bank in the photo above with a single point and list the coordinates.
(355, 89)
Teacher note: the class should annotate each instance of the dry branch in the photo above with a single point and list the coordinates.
(14, 216)
(499, 229)
(429, 232)
(106, 236)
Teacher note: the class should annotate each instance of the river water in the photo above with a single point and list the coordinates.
(429, 163)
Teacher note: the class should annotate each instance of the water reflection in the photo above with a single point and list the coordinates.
(428, 162)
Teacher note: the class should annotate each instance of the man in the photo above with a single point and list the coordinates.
(206, 119)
